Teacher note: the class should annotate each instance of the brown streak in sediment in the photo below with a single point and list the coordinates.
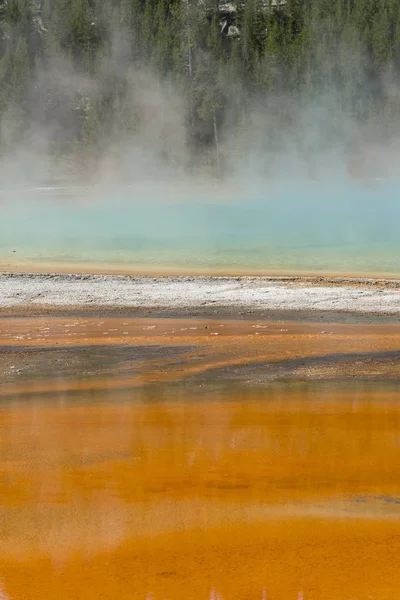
(151, 372)
(236, 344)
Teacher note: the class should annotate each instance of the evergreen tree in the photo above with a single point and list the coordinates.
(76, 66)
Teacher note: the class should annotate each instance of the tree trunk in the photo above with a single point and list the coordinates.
(216, 145)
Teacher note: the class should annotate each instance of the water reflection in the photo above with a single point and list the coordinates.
(173, 492)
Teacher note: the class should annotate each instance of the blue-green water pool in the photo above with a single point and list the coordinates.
(320, 227)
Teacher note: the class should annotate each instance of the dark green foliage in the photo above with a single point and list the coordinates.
(221, 57)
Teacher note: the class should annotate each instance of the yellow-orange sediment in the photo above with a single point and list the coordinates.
(283, 494)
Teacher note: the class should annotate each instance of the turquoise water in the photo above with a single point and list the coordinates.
(338, 227)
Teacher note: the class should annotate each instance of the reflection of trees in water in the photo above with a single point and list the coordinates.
(3, 595)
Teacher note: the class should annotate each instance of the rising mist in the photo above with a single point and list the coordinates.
(249, 136)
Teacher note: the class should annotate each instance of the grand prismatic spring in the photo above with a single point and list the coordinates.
(229, 436)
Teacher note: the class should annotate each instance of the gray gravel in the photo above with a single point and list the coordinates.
(266, 293)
